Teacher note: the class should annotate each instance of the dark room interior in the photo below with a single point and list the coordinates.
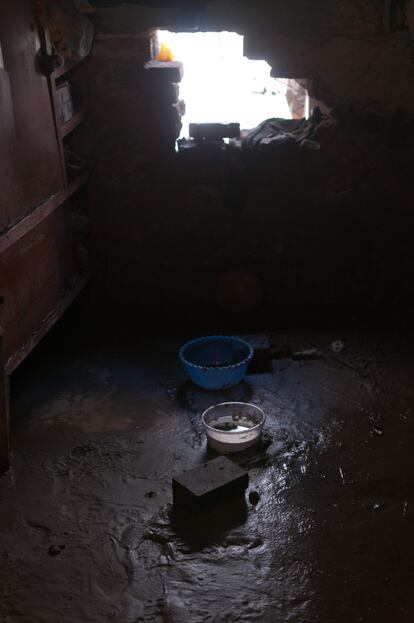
(206, 311)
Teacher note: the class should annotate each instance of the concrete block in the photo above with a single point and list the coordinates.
(167, 92)
(170, 72)
(173, 92)
(180, 108)
(214, 131)
(262, 358)
(209, 484)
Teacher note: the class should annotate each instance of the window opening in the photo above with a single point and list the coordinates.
(221, 85)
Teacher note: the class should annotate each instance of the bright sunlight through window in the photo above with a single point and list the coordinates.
(220, 85)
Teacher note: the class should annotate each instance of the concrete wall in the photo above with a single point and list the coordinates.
(325, 228)
(358, 52)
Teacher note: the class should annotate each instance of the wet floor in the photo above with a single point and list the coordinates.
(327, 529)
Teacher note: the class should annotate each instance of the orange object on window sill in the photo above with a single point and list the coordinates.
(165, 55)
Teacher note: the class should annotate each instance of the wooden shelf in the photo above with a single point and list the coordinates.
(47, 323)
(76, 120)
(77, 183)
(39, 213)
(66, 68)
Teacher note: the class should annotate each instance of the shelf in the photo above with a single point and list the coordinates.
(66, 68)
(77, 183)
(47, 323)
(39, 213)
(76, 120)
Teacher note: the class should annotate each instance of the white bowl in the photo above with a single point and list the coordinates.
(233, 426)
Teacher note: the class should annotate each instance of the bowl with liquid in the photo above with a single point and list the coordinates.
(233, 426)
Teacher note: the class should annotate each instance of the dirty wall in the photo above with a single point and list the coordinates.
(327, 227)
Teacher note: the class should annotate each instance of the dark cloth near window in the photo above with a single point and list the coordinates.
(276, 133)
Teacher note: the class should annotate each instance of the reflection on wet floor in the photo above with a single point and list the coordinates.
(209, 527)
(88, 533)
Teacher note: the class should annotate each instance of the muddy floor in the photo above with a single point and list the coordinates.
(327, 530)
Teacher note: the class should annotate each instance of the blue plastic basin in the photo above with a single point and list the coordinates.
(216, 362)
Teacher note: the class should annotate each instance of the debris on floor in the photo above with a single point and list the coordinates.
(309, 354)
(337, 346)
(254, 498)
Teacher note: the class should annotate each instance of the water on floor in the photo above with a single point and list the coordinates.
(87, 533)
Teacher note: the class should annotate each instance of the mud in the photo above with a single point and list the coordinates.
(326, 532)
